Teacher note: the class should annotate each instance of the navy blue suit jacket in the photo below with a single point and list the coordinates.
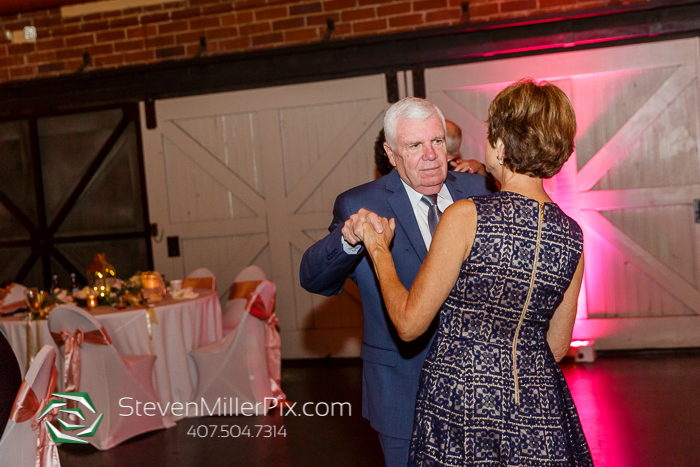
(391, 367)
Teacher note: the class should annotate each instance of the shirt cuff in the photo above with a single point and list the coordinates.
(350, 250)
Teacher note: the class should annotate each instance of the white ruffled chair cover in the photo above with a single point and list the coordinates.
(245, 364)
(18, 447)
(109, 378)
(200, 278)
(243, 285)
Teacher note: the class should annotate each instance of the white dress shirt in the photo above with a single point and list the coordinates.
(420, 210)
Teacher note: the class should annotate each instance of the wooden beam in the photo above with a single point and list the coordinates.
(605, 200)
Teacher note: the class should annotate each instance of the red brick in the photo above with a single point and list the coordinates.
(172, 5)
(41, 57)
(187, 13)
(228, 20)
(50, 67)
(301, 35)
(373, 2)
(95, 26)
(360, 13)
(77, 41)
(268, 39)
(123, 22)
(394, 9)
(10, 17)
(406, 20)
(23, 71)
(15, 25)
(170, 52)
(11, 61)
(142, 31)
(288, 24)
(255, 28)
(202, 2)
(248, 4)
(49, 44)
(235, 44)
(221, 33)
(141, 56)
(332, 5)
(444, 15)
(204, 23)
(217, 9)
(92, 17)
(111, 14)
(518, 5)
(244, 17)
(65, 31)
(555, 3)
(110, 36)
(429, 5)
(101, 49)
(69, 53)
(3, 50)
(482, 9)
(155, 18)
(305, 8)
(20, 49)
(47, 22)
(128, 45)
(170, 28)
(271, 13)
(159, 41)
(152, 8)
(108, 60)
(367, 26)
(132, 11)
(318, 20)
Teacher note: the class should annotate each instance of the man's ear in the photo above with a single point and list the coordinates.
(390, 154)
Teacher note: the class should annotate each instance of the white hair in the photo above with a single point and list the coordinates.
(408, 108)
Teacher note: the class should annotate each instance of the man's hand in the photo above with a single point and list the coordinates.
(352, 229)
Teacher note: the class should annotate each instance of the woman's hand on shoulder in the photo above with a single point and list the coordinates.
(376, 242)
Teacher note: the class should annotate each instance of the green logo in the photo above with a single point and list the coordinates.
(84, 399)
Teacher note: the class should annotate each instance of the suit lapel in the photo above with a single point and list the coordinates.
(455, 191)
(403, 213)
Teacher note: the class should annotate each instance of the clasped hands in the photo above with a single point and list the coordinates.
(367, 227)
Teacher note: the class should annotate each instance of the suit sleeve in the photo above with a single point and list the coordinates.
(325, 266)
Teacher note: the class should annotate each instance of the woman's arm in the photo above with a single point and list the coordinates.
(561, 326)
(413, 311)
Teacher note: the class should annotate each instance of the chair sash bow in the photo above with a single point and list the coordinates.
(273, 342)
(72, 362)
(27, 406)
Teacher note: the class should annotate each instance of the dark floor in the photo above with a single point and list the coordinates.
(637, 409)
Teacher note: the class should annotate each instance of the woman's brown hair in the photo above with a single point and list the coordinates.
(537, 125)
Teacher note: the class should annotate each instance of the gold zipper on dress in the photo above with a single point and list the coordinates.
(527, 302)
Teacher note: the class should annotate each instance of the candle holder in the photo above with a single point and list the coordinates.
(101, 275)
(153, 286)
(92, 301)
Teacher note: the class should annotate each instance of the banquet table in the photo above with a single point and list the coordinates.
(179, 327)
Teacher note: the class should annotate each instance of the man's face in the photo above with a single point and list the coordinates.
(420, 157)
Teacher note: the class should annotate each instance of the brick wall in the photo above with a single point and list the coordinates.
(172, 30)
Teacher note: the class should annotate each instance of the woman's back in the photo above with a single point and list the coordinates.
(490, 388)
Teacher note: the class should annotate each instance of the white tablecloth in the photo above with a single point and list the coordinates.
(183, 325)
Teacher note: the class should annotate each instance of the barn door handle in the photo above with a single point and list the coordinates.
(697, 211)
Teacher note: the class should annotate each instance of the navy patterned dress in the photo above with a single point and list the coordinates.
(491, 393)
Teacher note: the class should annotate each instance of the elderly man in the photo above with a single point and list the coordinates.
(414, 194)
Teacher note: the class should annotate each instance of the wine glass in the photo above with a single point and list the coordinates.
(33, 299)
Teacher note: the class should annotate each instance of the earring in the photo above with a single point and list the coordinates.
(500, 161)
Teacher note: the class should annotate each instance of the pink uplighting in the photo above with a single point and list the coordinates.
(577, 343)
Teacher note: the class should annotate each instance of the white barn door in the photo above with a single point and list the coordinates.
(250, 177)
(631, 183)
